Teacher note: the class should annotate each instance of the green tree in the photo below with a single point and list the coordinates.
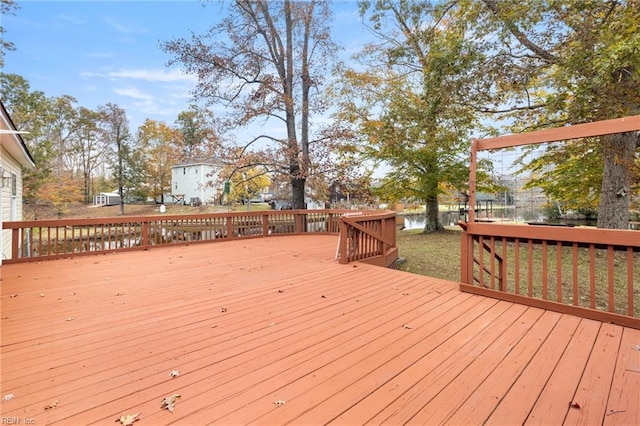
(197, 133)
(52, 125)
(409, 105)
(263, 62)
(551, 63)
(30, 112)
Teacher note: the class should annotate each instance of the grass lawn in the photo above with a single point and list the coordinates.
(436, 254)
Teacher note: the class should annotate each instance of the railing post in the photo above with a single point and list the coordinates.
(342, 243)
(144, 234)
(265, 224)
(230, 234)
(15, 237)
(466, 258)
(300, 222)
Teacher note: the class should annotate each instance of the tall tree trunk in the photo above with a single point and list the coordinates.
(120, 178)
(87, 186)
(619, 158)
(432, 220)
(295, 172)
(305, 162)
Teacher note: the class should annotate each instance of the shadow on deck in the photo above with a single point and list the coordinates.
(272, 331)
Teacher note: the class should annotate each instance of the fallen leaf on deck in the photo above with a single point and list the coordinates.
(280, 402)
(127, 420)
(54, 404)
(8, 397)
(408, 327)
(574, 404)
(169, 402)
(174, 373)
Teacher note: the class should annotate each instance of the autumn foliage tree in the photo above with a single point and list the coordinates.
(264, 62)
(548, 64)
(159, 149)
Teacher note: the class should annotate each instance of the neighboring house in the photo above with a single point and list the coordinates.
(107, 199)
(196, 183)
(14, 155)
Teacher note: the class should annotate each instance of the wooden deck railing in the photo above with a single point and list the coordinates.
(367, 238)
(50, 239)
(594, 273)
(584, 271)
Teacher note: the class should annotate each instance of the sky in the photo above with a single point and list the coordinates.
(108, 51)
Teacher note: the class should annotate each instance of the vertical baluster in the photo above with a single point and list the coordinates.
(592, 275)
(576, 291)
(545, 271)
(516, 263)
(559, 271)
(610, 273)
(530, 269)
(630, 290)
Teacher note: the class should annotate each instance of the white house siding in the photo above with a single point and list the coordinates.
(196, 180)
(11, 204)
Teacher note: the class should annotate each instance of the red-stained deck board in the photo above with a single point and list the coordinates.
(516, 402)
(623, 400)
(249, 323)
(596, 380)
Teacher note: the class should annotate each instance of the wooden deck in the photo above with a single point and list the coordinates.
(274, 331)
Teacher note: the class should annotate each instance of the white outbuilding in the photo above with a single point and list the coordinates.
(107, 199)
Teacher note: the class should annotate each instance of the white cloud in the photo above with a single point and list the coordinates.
(71, 20)
(148, 75)
(133, 92)
(125, 28)
(152, 75)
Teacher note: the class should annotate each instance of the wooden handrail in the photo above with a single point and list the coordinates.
(585, 271)
(49, 239)
(370, 238)
(605, 292)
